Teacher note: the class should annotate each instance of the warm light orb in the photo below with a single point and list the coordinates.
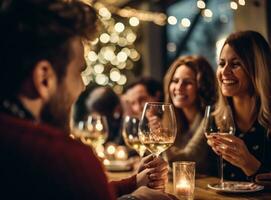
(106, 162)
(109, 54)
(101, 79)
(207, 13)
(121, 56)
(185, 22)
(114, 74)
(172, 20)
(134, 21)
(242, 2)
(104, 13)
(131, 37)
(122, 80)
(119, 27)
(98, 69)
(92, 56)
(234, 5)
(104, 38)
(111, 149)
(201, 4)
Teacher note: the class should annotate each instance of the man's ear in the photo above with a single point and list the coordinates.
(44, 80)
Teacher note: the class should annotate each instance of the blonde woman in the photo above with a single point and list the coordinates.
(243, 75)
(190, 85)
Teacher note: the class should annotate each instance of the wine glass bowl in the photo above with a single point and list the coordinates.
(157, 127)
(93, 131)
(130, 135)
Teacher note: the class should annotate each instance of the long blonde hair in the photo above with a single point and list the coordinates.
(255, 53)
(206, 83)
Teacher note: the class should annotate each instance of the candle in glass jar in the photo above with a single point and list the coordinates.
(184, 180)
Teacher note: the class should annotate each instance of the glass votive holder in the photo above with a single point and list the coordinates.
(184, 180)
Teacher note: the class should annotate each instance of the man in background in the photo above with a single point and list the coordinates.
(138, 93)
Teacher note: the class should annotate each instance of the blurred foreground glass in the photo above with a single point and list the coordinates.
(223, 126)
(92, 132)
(130, 135)
(157, 127)
(184, 180)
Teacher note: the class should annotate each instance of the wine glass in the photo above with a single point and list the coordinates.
(157, 127)
(130, 135)
(93, 131)
(223, 126)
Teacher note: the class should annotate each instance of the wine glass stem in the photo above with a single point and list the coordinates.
(141, 153)
(221, 172)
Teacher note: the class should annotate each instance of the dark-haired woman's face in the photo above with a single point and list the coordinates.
(232, 78)
(183, 88)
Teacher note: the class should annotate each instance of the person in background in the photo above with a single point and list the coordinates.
(104, 101)
(138, 93)
(41, 60)
(190, 85)
(243, 75)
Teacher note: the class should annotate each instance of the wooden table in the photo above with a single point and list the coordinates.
(201, 190)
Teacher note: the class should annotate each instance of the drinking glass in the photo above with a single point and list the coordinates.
(157, 127)
(93, 131)
(223, 126)
(130, 135)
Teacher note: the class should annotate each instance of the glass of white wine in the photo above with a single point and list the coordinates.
(223, 126)
(93, 131)
(130, 135)
(157, 127)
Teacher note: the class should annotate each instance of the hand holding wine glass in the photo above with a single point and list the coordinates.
(157, 127)
(130, 135)
(218, 127)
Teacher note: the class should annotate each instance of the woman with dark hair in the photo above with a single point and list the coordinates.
(190, 85)
(104, 101)
(243, 75)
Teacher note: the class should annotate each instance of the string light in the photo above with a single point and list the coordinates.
(185, 22)
(98, 68)
(172, 20)
(112, 54)
(201, 4)
(207, 13)
(119, 27)
(234, 5)
(134, 21)
(115, 74)
(242, 2)
(104, 38)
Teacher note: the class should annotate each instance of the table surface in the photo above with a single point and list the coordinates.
(202, 192)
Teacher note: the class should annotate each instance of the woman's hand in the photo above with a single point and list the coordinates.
(234, 150)
(153, 172)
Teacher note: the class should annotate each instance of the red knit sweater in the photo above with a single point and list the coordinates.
(41, 162)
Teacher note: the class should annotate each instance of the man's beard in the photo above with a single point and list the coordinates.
(57, 111)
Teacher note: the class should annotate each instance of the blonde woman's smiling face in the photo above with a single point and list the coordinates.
(183, 87)
(232, 78)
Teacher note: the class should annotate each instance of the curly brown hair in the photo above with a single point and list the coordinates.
(35, 30)
(206, 82)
